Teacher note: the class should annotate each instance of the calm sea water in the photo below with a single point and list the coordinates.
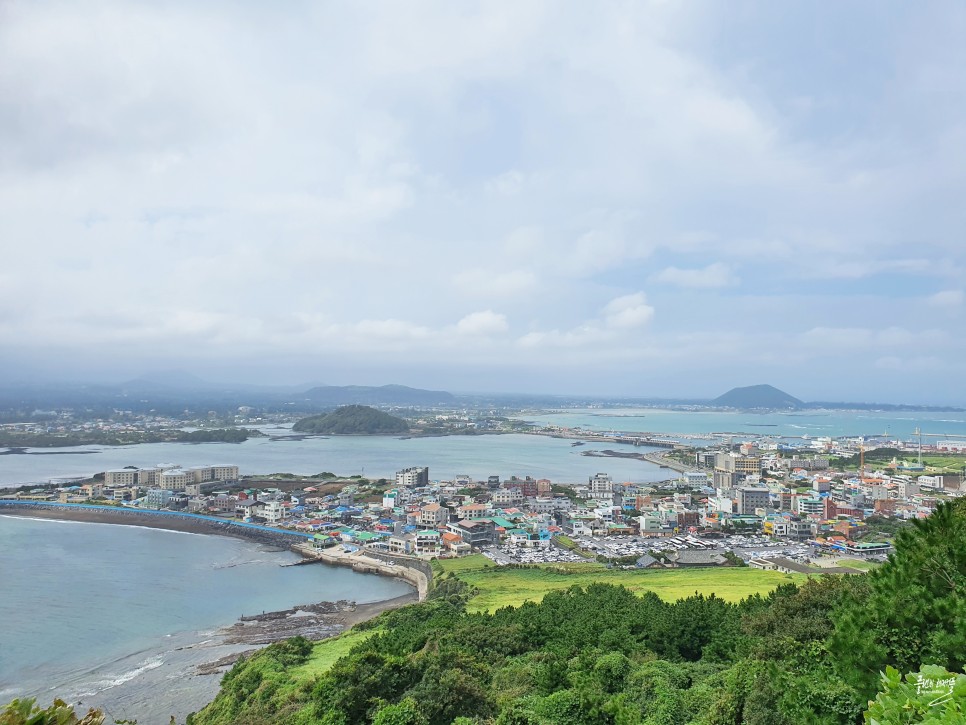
(376, 457)
(814, 423)
(114, 615)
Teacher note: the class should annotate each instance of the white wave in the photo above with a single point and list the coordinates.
(117, 680)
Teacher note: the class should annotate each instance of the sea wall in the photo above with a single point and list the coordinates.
(413, 571)
(171, 520)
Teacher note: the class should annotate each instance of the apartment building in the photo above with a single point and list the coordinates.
(600, 485)
(750, 499)
(413, 477)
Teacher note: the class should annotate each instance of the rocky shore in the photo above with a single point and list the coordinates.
(312, 621)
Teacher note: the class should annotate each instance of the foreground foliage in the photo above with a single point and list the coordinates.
(27, 712)
(879, 649)
(809, 652)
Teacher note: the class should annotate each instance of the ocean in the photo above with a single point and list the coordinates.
(899, 424)
(120, 616)
(372, 456)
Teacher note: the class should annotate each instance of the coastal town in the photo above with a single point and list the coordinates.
(757, 502)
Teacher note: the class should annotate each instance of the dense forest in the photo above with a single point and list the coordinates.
(834, 650)
(353, 420)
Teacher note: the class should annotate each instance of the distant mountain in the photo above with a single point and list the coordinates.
(353, 420)
(382, 395)
(173, 379)
(757, 396)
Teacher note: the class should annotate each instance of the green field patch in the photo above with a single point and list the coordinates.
(327, 651)
(860, 564)
(504, 586)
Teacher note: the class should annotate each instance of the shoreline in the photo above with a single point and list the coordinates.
(185, 523)
(200, 659)
(415, 573)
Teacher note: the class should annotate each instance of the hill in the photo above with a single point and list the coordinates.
(353, 420)
(381, 395)
(757, 396)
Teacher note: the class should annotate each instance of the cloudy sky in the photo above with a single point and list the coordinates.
(623, 198)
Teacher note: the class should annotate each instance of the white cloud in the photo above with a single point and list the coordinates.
(713, 276)
(483, 283)
(628, 312)
(390, 329)
(482, 323)
(507, 184)
(466, 158)
(948, 299)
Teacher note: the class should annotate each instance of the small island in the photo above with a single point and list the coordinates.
(352, 420)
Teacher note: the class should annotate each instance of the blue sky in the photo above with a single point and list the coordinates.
(607, 198)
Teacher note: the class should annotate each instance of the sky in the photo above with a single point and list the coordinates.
(609, 198)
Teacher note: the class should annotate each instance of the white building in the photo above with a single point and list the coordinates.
(600, 485)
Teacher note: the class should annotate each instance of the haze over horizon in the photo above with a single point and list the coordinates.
(640, 200)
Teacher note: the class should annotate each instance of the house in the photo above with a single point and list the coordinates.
(402, 544)
(475, 533)
(453, 543)
(248, 508)
(433, 515)
(427, 543)
(473, 510)
(648, 562)
(691, 557)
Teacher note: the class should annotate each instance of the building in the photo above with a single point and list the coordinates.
(751, 499)
(175, 479)
(810, 506)
(475, 533)
(273, 512)
(799, 530)
(742, 465)
(413, 477)
(433, 515)
(600, 485)
(427, 543)
(509, 496)
(157, 498)
(121, 477)
(696, 478)
(402, 544)
(473, 510)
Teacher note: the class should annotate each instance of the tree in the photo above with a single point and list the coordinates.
(27, 712)
(916, 605)
(406, 712)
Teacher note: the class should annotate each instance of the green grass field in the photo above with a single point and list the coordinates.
(860, 564)
(326, 652)
(500, 587)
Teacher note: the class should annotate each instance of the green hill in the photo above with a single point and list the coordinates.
(353, 420)
(757, 396)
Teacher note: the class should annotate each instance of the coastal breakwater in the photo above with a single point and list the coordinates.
(414, 571)
(172, 520)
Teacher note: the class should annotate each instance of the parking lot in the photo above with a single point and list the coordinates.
(509, 554)
(747, 547)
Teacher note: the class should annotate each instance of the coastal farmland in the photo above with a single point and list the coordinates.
(503, 586)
